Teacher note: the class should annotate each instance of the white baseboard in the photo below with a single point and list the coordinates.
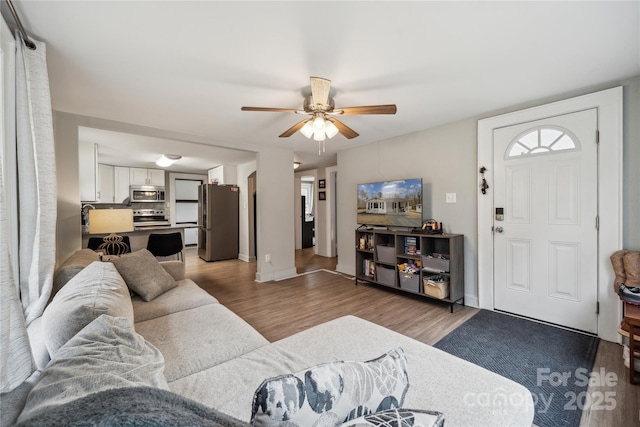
(276, 275)
(246, 258)
(471, 301)
(346, 269)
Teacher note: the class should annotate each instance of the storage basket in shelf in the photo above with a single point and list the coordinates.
(436, 286)
(386, 276)
(435, 264)
(410, 281)
(386, 254)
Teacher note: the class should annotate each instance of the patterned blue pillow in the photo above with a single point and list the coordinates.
(332, 393)
(399, 418)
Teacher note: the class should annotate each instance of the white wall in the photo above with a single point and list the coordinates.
(329, 232)
(275, 214)
(244, 171)
(445, 157)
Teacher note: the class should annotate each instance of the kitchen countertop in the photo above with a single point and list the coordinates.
(138, 230)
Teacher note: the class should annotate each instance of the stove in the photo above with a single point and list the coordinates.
(149, 218)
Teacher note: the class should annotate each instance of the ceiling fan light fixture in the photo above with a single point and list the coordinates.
(167, 160)
(318, 124)
(331, 129)
(307, 129)
(319, 135)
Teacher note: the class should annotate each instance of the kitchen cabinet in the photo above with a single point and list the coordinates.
(88, 170)
(223, 175)
(105, 184)
(156, 176)
(143, 176)
(121, 183)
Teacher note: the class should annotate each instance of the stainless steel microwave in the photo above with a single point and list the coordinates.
(146, 193)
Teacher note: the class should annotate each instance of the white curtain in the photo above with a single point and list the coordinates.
(36, 178)
(16, 363)
(24, 300)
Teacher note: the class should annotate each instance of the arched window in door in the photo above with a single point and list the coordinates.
(542, 140)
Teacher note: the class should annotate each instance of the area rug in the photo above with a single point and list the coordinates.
(553, 363)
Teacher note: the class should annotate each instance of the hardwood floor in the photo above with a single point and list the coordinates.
(283, 308)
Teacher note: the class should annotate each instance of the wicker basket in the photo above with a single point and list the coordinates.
(436, 286)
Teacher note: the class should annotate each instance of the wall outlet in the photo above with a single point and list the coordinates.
(451, 198)
(267, 258)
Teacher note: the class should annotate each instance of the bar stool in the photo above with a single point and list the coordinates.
(166, 245)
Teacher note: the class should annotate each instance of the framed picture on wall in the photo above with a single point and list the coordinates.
(322, 195)
(322, 183)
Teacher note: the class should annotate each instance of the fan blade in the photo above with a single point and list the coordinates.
(343, 129)
(368, 109)
(320, 90)
(293, 129)
(274, 110)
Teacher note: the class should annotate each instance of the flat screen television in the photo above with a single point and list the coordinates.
(391, 203)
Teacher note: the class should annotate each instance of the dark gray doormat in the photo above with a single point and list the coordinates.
(553, 363)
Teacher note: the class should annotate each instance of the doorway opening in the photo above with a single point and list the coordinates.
(307, 209)
(186, 208)
(253, 213)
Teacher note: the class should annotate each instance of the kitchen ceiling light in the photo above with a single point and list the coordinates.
(167, 160)
(296, 165)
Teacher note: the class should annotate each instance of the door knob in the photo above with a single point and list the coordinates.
(499, 229)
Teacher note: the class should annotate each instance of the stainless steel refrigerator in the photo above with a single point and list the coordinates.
(218, 212)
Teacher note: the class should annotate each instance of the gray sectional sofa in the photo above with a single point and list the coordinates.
(210, 355)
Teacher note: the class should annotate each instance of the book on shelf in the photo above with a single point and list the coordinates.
(411, 246)
(365, 242)
(368, 267)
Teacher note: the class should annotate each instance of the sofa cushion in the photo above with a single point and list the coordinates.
(72, 266)
(143, 274)
(175, 268)
(472, 395)
(185, 296)
(399, 418)
(199, 338)
(106, 354)
(97, 289)
(332, 393)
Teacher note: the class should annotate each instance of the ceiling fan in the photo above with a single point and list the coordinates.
(321, 108)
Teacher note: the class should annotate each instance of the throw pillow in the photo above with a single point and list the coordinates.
(97, 289)
(144, 274)
(399, 418)
(332, 393)
(106, 354)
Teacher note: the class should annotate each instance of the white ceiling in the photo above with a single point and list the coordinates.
(189, 66)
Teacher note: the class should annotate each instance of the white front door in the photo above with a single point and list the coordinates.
(545, 246)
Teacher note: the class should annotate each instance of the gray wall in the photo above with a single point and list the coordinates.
(445, 157)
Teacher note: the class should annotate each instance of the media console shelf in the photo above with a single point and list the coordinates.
(440, 258)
